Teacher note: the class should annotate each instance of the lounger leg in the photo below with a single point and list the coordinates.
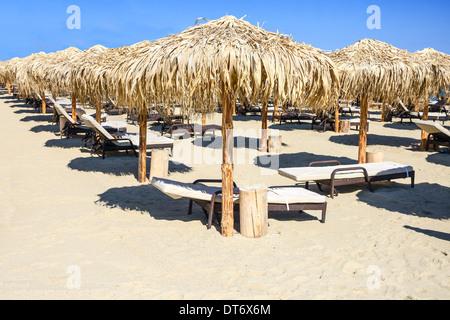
(190, 208)
(324, 213)
(103, 150)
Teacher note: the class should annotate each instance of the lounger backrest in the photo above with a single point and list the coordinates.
(403, 106)
(80, 112)
(60, 110)
(94, 125)
(432, 127)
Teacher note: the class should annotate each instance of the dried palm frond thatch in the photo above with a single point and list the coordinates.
(23, 80)
(384, 73)
(45, 71)
(91, 74)
(227, 56)
(439, 59)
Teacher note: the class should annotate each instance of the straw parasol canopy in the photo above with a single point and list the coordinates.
(22, 77)
(7, 70)
(229, 55)
(439, 59)
(374, 70)
(383, 72)
(221, 61)
(91, 75)
(44, 74)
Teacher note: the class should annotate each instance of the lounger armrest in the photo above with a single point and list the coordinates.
(211, 181)
(324, 162)
(366, 175)
(121, 139)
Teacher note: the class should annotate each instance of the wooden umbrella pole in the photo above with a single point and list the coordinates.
(142, 167)
(227, 167)
(263, 144)
(336, 119)
(98, 112)
(275, 111)
(362, 156)
(8, 86)
(74, 106)
(203, 119)
(424, 136)
(44, 106)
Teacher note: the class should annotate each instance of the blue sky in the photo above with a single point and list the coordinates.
(33, 26)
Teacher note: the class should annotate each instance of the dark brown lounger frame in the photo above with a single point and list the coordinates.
(211, 208)
(334, 182)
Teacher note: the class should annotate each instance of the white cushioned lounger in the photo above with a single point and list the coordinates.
(278, 198)
(305, 174)
(275, 195)
(152, 139)
(350, 174)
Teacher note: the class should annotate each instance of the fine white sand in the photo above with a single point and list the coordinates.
(74, 226)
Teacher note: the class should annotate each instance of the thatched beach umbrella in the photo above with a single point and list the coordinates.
(7, 72)
(23, 80)
(441, 61)
(219, 62)
(371, 69)
(45, 72)
(91, 75)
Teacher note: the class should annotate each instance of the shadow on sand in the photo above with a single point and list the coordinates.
(439, 158)
(425, 200)
(375, 139)
(149, 200)
(119, 165)
(300, 159)
(431, 233)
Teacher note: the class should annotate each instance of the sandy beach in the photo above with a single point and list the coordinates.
(74, 226)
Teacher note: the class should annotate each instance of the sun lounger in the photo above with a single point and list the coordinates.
(351, 110)
(437, 134)
(123, 141)
(190, 128)
(71, 127)
(110, 126)
(209, 198)
(339, 175)
(432, 116)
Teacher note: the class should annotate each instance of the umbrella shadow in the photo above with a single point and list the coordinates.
(149, 200)
(374, 139)
(432, 233)
(215, 142)
(425, 200)
(38, 118)
(119, 165)
(439, 158)
(45, 128)
(401, 126)
(64, 143)
(300, 159)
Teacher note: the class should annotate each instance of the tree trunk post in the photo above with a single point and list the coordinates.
(263, 145)
(424, 135)
(159, 164)
(98, 112)
(44, 105)
(74, 106)
(227, 167)
(253, 213)
(363, 129)
(142, 167)
(336, 119)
